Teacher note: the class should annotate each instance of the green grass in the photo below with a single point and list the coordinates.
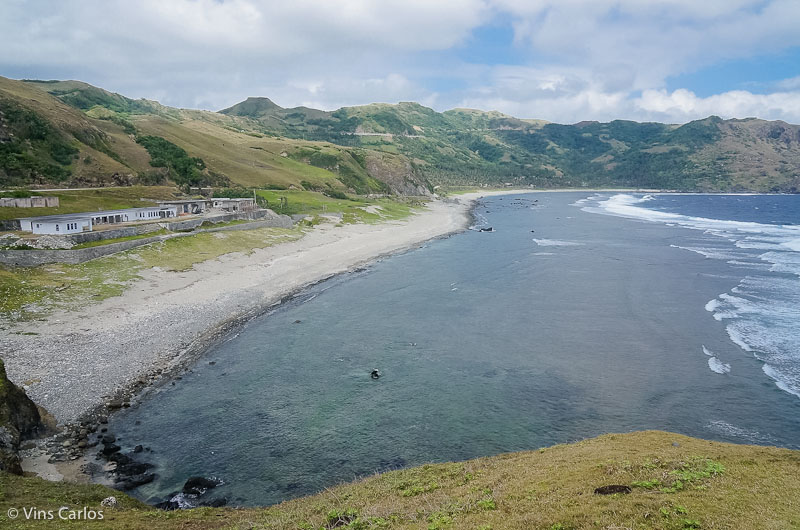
(75, 201)
(28, 293)
(744, 487)
(353, 210)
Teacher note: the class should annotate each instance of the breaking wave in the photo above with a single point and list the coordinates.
(732, 431)
(761, 313)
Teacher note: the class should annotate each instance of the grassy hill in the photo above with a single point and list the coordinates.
(676, 483)
(73, 133)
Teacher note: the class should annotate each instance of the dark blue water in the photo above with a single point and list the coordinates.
(765, 209)
(579, 315)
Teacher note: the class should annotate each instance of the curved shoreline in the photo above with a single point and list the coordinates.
(79, 365)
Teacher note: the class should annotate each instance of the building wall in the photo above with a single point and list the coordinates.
(190, 207)
(30, 202)
(72, 226)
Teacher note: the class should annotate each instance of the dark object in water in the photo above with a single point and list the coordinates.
(487, 229)
(135, 481)
(167, 506)
(612, 489)
(375, 374)
(199, 485)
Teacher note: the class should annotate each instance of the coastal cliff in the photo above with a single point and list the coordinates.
(19, 419)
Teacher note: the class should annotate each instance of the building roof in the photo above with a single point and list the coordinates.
(63, 217)
(181, 201)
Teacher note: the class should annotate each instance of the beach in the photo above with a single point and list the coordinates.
(79, 362)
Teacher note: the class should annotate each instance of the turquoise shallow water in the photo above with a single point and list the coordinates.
(563, 323)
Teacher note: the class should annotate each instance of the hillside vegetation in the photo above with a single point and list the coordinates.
(674, 483)
(73, 133)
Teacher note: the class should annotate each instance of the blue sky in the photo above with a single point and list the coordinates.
(560, 60)
(760, 74)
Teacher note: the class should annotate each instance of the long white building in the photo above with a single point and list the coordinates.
(72, 223)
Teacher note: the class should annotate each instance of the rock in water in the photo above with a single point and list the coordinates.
(110, 449)
(199, 485)
(168, 506)
(135, 481)
(19, 419)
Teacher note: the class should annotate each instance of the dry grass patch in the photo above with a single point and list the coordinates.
(723, 486)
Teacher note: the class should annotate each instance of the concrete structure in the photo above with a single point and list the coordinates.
(234, 205)
(73, 223)
(188, 206)
(30, 202)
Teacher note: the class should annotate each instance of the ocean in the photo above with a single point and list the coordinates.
(578, 314)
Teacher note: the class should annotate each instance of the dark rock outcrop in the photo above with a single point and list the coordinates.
(19, 420)
(199, 485)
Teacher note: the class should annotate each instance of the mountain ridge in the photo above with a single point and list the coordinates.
(406, 147)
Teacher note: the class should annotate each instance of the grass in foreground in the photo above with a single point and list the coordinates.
(695, 484)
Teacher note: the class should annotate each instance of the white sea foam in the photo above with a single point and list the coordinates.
(480, 222)
(544, 254)
(718, 366)
(763, 312)
(556, 243)
(725, 428)
(712, 253)
(779, 382)
(792, 244)
(707, 351)
(751, 265)
(626, 205)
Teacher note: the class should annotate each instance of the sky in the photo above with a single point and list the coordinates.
(560, 60)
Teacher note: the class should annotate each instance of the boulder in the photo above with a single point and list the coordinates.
(129, 483)
(199, 485)
(110, 449)
(168, 505)
(19, 420)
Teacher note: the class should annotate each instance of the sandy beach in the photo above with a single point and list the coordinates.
(81, 361)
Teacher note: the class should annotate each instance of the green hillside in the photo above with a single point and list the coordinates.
(68, 133)
(73, 133)
(668, 482)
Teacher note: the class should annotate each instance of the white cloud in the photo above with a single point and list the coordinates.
(592, 59)
(684, 104)
(652, 39)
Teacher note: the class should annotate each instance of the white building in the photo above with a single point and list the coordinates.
(73, 223)
(56, 224)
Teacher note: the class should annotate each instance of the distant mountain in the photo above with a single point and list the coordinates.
(404, 148)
